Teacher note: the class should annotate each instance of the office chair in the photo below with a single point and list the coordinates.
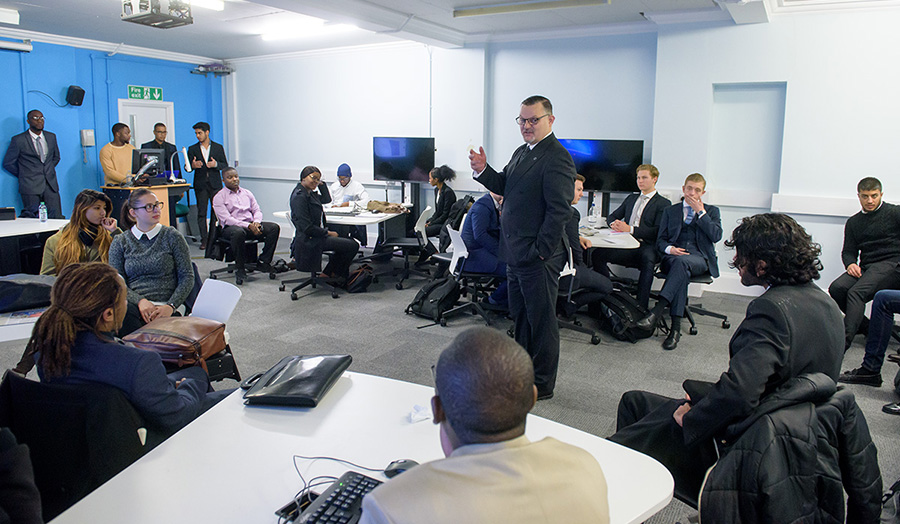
(78, 436)
(456, 261)
(570, 300)
(411, 246)
(314, 280)
(251, 244)
(214, 300)
(691, 309)
(184, 211)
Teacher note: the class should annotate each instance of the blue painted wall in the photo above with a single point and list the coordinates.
(52, 68)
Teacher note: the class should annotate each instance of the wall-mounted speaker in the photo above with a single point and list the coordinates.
(75, 95)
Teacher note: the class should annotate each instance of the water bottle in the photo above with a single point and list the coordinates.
(592, 214)
(42, 212)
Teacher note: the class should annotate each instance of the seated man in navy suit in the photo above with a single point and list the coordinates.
(585, 279)
(687, 240)
(639, 215)
(481, 234)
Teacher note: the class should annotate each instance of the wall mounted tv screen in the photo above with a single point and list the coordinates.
(607, 165)
(403, 159)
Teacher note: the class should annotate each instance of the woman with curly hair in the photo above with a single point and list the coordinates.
(73, 343)
(86, 238)
(792, 329)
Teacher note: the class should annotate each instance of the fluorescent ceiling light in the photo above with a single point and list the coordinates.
(307, 30)
(9, 16)
(215, 5)
(523, 6)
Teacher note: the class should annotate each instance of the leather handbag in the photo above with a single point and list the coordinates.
(182, 341)
(296, 381)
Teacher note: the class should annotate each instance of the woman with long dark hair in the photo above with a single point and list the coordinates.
(87, 236)
(153, 259)
(73, 343)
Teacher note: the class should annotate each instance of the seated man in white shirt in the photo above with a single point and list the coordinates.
(484, 389)
(240, 216)
(345, 193)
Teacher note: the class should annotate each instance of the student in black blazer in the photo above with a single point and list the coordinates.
(444, 197)
(37, 177)
(208, 160)
(311, 235)
(537, 185)
(687, 240)
(643, 224)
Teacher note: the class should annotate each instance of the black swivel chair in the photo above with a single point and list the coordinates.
(469, 281)
(225, 253)
(78, 436)
(313, 280)
(691, 309)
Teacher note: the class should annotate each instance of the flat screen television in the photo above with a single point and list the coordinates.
(403, 159)
(607, 165)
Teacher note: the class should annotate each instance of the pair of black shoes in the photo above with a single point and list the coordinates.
(649, 322)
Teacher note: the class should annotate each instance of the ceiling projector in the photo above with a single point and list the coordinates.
(163, 14)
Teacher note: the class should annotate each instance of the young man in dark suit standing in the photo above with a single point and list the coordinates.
(537, 185)
(32, 157)
(159, 142)
(208, 160)
(687, 238)
(639, 215)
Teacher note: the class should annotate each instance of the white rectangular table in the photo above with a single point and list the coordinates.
(235, 463)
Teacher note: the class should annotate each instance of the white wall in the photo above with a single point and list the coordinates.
(841, 71)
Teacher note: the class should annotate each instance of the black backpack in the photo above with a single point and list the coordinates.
(435, 298)
(619, 313)
(457, 211)
(358, 280)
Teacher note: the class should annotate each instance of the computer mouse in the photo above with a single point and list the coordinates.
(399, 466)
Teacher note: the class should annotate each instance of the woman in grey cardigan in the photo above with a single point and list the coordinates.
(153, 259)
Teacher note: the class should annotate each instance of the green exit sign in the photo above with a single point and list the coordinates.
(145, 93)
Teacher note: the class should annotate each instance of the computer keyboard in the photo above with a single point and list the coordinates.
(341, 503)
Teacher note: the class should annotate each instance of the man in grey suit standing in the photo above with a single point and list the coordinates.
(32, 157)
(537, 185)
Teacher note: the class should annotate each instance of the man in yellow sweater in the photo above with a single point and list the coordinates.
(115, 157)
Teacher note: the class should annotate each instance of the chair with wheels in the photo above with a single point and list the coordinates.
(467, 280)
(78, 436)
(313, 280)
(570, 300)
(409, 246)
(184, 211)
(691, 309)
(251, 251)
(216, 300)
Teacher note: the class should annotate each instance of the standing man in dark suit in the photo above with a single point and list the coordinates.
(32, 157)
(639, 215)
(687, 240)
(159, 142)
(537, 185)
(208, 160)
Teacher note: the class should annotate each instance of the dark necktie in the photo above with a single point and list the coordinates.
(40, 148)
(516, 160)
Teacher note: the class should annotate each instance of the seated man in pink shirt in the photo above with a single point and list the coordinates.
(239, 214)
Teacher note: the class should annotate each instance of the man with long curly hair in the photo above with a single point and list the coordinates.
(793, 328)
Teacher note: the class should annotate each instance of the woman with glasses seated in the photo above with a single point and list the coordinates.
(153, 259)
(86, 238)
(311, 235)
(74, 343)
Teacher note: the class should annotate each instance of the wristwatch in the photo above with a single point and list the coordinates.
(171, 305)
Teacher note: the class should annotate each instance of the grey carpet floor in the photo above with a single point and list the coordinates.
(267, 325)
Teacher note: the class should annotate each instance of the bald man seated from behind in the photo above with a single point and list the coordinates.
(484, 389)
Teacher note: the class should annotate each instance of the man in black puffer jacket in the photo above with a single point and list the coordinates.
(793, 328)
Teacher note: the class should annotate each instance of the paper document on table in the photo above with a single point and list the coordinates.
(29, 316)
